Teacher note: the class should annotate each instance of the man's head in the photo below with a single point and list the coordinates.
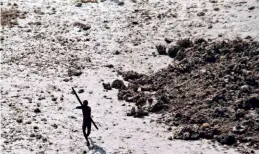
(85, 102)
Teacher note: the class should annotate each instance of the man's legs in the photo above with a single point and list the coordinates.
(86, 135)
(88, 129)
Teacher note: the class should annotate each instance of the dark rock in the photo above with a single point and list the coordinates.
(201, 14)
(66, 79)
(38, 23)
(74, 72)
(170, 138)
(216, 9)
(120, 3)
(62, 98)
(132, 112)
(79, 5)
(251, 8)
(118, 84)
(38, 136)
(168, 40)
(55, 126)
(28, 122)
(107, 86)
(32, 135)
(161, 49)
(19, 120)
(43, 119)
(172, 51)
(44, 139)
(54, 99)
(109, 66)
(81, 91)
(72, 117)
(116, 52)
(41, 98)
(37, 110)
(248, 37)
(134, 22)
(213, 1)
(150, 100)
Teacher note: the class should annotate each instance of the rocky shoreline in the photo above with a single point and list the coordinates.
(210, 91)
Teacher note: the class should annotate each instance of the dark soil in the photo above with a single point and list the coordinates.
(210, 91)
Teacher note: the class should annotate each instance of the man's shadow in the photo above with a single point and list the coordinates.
(96, 148)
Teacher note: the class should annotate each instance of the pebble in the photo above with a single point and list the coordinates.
(55, 126)
(37, 110)
(44, 139)
(172, 51)
(19, 120)
(161, 49)
(79, 5)
(121, 3)
(216, 9)
(80, 91)
(201, 14)
(251, 8)
(38, 136)
(107, 86)
(43, 119)
(28, 122)
(168, 40)
(66, 80)
(54, 99)
(109, 66)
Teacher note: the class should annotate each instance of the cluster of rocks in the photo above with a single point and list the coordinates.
(210, 91)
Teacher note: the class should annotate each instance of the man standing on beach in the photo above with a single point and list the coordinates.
(87, 121)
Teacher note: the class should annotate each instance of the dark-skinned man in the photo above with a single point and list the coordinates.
(87, 121)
